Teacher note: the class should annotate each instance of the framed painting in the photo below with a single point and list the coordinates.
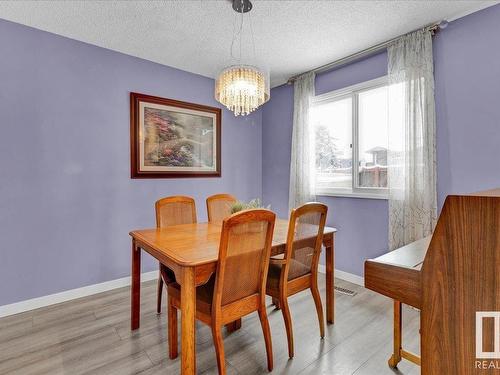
(170, 138)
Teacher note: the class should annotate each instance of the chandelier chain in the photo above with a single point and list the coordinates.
(251, 33)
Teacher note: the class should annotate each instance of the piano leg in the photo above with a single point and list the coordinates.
(399, 352)
(396, 356)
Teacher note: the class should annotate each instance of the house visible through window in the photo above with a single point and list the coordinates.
(350, 127)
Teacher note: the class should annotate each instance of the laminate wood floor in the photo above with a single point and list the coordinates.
(92, 336)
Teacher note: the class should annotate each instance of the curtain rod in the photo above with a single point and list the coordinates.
(434, 27)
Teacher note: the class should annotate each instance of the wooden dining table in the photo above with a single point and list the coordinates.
(191, 251)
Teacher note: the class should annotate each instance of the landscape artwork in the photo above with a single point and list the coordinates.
(174, 139)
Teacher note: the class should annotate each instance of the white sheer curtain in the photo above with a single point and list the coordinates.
(412, 140)
(302, 160)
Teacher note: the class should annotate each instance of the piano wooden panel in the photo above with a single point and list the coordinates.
(397, 273)
(461, 276)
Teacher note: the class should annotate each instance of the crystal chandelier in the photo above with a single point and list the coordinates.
(242, 88)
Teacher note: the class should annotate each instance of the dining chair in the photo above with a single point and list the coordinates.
(219, 207)
(238, 286)
(174, 210)
(297, 270)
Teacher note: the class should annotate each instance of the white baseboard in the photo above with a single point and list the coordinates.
(67, 295)
(352, 278)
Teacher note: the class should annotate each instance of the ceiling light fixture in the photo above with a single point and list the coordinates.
(242, 88)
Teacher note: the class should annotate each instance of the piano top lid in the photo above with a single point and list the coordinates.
(409, 256)
(487, 193)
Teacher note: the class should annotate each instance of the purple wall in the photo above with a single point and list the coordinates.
(66, 199)
(467, 75)
(67, 202)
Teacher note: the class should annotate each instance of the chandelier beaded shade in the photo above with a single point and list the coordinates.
(242, 88)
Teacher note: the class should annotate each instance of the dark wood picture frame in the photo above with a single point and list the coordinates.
(135, 171)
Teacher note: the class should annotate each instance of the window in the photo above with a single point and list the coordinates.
(350, 127)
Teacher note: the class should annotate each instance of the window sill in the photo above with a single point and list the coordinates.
(330, 193)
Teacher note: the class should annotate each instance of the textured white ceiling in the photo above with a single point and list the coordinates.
(195, 35)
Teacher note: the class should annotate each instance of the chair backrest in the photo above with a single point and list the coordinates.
(304, 239)
(244, 253)
(175, 210)
(219, 207)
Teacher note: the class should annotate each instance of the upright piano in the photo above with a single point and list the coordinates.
(453, 277)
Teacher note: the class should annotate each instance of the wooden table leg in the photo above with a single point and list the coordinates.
(396, 356)
(135, 294)
(188, 313)
(328, 241)
(276, 303)
(233, 326)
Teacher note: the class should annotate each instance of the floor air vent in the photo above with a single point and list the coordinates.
(345, 291)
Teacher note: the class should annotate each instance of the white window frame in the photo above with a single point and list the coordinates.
(353, 93)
